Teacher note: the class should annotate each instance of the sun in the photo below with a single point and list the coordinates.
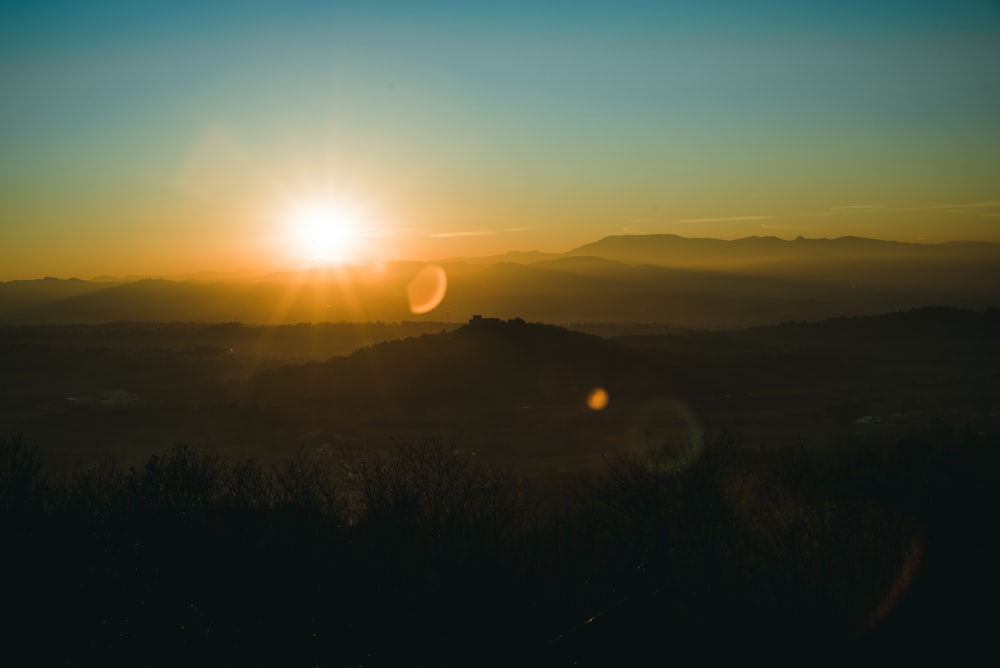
(321, 234)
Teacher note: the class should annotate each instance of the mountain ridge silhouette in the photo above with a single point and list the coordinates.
(673, 280)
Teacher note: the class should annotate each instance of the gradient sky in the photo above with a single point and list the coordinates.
(168, 137)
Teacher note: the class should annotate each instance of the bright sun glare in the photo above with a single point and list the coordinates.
(321, 234)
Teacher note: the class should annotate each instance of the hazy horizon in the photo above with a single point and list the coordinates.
(509, 254)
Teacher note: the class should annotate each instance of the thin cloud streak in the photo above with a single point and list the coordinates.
(857, 207)
(973, 205)
(847, 209)
(879, 208)
(381, 232)
(766, 226)
(730, 219)
(453, 235)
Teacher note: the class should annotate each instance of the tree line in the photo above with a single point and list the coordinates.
(423, 555)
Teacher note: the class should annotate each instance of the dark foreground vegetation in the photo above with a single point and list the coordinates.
(424, 557)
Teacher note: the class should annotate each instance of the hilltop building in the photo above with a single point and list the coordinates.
(480, 320)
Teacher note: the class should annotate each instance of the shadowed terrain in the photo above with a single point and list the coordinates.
(511, 391)
(498, 490)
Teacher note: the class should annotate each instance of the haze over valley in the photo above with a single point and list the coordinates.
(664, 279)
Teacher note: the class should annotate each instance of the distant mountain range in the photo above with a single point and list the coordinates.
(667, 279)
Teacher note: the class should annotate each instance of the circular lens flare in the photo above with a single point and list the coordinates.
(598, 399)
(670, 424)
(426, 290)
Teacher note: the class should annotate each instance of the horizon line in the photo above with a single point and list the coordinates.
(245, 273)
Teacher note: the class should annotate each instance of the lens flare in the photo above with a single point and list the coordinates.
(426, 290)
(597, 400)
(909, 568)
(671, 424)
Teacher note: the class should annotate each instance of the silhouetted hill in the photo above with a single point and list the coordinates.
(674, 250)
(773, 252)
(592, 289)
(493, 364)
(512, 390)
(920, 336)
(891, 370)
(16, 295)
(310, 298)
